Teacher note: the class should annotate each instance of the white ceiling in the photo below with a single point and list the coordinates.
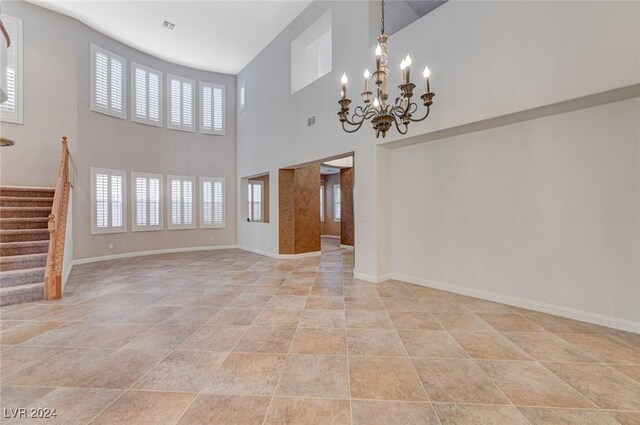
(220, 36)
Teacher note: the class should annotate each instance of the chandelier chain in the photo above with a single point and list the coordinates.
(382, 19)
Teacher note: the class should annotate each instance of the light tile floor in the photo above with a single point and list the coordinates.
(230, 337)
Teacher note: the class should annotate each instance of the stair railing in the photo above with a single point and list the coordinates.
(58, 228)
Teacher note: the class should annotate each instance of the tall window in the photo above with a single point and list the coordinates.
(108, 82)
(211, 108)
(108, 201)
(337, 211)
(181, 196)
(321, 202)
(212, 202)
(11, 108)
(181, 92)
(147, 201)
(242, 96)
(146, 101)
(255, 197)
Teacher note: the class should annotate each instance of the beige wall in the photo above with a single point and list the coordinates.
(328, 226)
(50, 97)
(57, 93)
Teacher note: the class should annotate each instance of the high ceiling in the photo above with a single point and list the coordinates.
(221, 36)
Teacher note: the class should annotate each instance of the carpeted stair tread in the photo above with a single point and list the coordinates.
(24, 235)
(21, 277)
(23, 223)
(15, 262)
(31, 192)
(25, 201)
(24, 212)
(22, 293)
(22, 248)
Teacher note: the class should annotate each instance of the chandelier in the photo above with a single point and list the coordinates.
(383, 114)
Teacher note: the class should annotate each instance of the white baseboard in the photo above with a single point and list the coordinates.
(570, 313)
(280, 256)
(371, 278)
(330, 236)
(154, 252)
(349, 247)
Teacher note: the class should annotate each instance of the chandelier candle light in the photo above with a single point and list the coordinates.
(381, 113)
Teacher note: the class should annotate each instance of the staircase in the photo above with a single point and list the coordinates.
(24, 242)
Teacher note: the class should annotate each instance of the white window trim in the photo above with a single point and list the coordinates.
(94, 228)
(192, 127)
(213, 86)
(213, 224)
(134, 204)
(16, 117)
(134, 117)
(322, 202)
(170, 224)
(335, 202)
(261, 183)
(95, 107)
(242, 106)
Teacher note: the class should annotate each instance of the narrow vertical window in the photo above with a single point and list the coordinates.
(147, 96)
(212, 200)
(11, 73)
(255, 193)
(147, 195)
(337, 211)
(321, 202)
(181, 201)
(108, 82)
(212, 108)
(181, 102)
(108, 201)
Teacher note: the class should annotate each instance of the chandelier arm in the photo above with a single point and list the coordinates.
(354, 121)
(406, 127)
(357, 126)
(423, 118)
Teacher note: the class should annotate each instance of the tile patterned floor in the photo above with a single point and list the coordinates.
(230, 337)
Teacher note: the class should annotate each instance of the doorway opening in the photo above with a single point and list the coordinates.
(316, 206)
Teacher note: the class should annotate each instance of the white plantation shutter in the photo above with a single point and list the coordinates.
(147, 190)
(212, 108)
(212, 200)
(108, 201)
(337, 210)
(11, 109)
(108, 72)
(181, 195)
(242, 96)
(255, 200)
(181, 103)
(147, 95)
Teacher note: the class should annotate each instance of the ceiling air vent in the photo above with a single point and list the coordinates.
(310, 121)
(168, 25)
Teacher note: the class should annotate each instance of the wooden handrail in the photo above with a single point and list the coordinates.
(58, 228)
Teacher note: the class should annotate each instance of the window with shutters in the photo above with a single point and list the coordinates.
(146, 99)
(337, 212)
(256, 202)
(212, 202)
(108, 83)
(321, 202)
(108, 195)
(242, 96)
(211, 108)
(147, 201)
(181, 199)
(11, 73)
(181, 100)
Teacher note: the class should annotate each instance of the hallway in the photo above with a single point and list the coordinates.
(230, 337)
